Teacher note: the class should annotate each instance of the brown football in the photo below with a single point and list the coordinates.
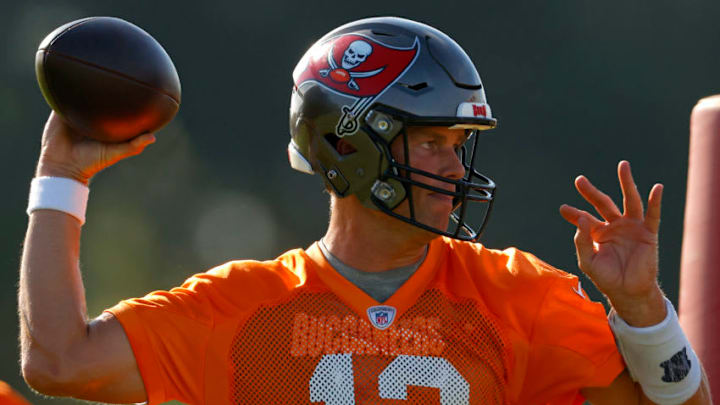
(107, 78)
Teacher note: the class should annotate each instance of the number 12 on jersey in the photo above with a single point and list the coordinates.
(333, 380)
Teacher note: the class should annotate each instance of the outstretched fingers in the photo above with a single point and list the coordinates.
(603, 204)
(585, 223)
(572, 215)
(632, 202)
(584, 245)
(652, 217)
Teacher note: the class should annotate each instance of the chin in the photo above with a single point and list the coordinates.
(437, 224)
(433, 215)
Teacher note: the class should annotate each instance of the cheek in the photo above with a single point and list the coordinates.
(420, 158)
(425, 160)
(418, 154)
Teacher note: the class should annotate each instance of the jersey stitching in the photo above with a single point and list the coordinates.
(531, 335)
(213, 322)
(539, 308)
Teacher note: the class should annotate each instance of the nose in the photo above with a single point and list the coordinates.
(454, 169)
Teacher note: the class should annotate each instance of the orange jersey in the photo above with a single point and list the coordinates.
(470, 326)
(9, 396)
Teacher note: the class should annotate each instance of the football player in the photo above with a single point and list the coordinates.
(397, 301)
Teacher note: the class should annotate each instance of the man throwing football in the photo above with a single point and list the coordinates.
(397, 301)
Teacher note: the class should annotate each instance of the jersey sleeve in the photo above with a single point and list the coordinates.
(571, 346)
(168, 332)
(180, 337)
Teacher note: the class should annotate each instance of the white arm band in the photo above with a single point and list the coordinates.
(60, 194)
(659, 357)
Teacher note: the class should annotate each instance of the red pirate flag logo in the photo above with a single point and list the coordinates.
(358, 67)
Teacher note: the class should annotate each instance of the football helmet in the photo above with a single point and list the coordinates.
(367, 82)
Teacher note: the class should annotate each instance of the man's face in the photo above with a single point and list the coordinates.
(434, 150)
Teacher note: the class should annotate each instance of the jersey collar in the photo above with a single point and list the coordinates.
(359, 301)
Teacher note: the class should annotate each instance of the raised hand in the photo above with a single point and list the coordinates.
(620, 252)
(66, 153)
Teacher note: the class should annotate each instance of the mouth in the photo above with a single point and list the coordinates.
(442, 197)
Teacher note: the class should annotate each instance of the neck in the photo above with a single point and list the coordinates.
(370, 240)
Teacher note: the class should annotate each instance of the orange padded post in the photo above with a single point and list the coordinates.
(700, 268)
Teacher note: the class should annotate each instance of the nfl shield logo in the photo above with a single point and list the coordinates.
(381, 316)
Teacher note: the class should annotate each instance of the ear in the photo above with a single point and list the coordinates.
(343, 147)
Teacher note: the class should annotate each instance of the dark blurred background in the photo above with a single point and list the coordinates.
(576, 86)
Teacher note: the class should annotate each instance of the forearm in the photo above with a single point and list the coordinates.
(626, 391)
(62, 353)
(643, 310)
(52, 307)
(702, 396)
(661, 360)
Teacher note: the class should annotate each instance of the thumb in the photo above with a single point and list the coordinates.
(119, 151)
(142, 141)
(584, 244)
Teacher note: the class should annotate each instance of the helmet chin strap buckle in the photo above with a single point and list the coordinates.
(382, 191)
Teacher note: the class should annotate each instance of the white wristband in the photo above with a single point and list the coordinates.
(659, 357)
(60, 194)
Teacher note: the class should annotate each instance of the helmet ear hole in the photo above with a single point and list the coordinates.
(341, 145)
(344, 147)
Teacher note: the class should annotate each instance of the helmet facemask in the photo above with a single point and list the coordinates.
(399, 178)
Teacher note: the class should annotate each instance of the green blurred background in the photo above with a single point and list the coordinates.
(576, 86)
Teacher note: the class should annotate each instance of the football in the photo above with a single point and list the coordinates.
(107, 78)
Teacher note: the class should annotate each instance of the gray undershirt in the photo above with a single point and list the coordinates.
(379, 285)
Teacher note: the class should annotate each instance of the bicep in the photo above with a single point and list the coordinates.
(105, 365)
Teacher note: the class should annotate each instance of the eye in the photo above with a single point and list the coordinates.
(429, 145)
